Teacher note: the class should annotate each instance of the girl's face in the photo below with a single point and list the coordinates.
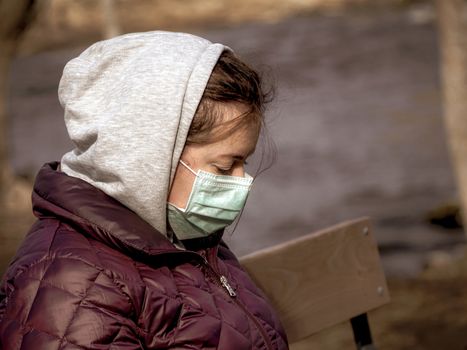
(224, 157)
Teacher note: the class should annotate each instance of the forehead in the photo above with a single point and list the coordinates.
(244, 137)
(241, 140)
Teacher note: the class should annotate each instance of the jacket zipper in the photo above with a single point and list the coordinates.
(224, 283)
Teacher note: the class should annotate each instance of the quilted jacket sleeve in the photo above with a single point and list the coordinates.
(65, 303)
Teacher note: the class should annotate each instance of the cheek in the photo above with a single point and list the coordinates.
(181, 188)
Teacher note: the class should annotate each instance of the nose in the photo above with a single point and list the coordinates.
(239, 170)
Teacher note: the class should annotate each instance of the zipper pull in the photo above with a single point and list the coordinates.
(227, 286)
(203, 255)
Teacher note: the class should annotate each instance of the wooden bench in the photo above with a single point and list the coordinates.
(322, 279)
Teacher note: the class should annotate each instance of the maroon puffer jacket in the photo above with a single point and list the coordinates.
(92, 275)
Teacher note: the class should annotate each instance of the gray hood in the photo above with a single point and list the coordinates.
(128, 103)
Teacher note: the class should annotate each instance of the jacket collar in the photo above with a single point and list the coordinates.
(95, 214)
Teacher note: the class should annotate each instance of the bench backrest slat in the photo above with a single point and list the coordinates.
(321, 279)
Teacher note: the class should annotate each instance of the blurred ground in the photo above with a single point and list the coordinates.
(358, 128)
(426, 313)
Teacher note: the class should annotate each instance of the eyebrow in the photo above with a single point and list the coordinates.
(237, 156)
(233, 156)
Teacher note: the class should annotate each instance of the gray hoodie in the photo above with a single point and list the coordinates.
(129, 102)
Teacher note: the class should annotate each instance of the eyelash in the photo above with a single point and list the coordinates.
(224, 171)
(228, 171)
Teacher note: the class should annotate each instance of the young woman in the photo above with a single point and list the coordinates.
(127, 252)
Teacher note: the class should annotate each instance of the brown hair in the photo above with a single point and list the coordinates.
(231, 81)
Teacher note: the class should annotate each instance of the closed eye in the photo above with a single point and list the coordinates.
(224, 171)
(228, 169)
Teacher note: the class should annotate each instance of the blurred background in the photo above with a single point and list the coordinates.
(357, 121)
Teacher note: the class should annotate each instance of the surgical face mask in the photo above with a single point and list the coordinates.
(214, 203)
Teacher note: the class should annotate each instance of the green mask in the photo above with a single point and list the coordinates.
(214, 203)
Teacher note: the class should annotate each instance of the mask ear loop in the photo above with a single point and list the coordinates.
(186, 166)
